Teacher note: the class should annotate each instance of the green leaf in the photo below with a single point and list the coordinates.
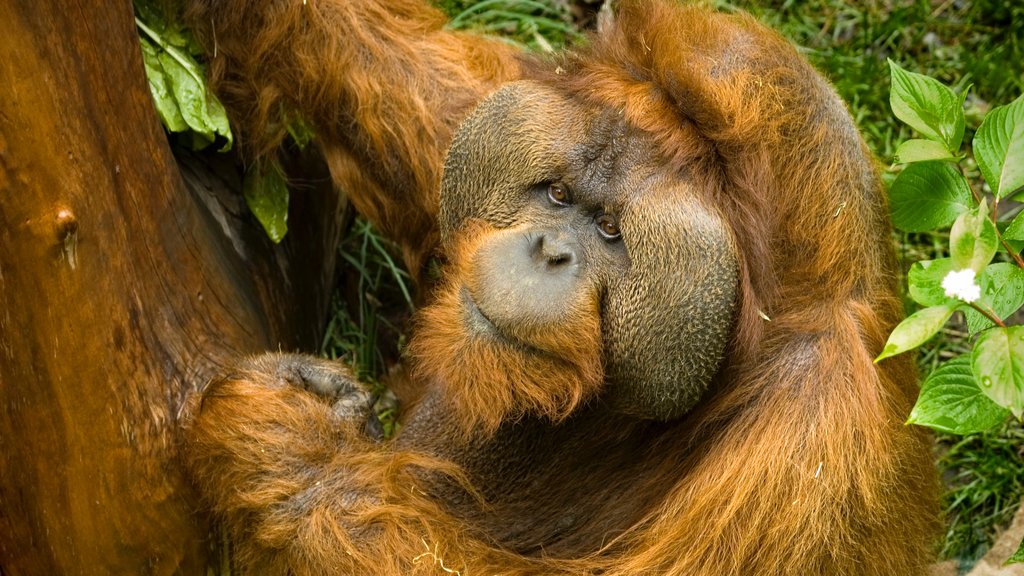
(218, 118)
(973, 240)
(998, 365)
(153, 14)
(266, 193)
(916, 330)
(950, 401)
(190, 94)
(1018, 556)
(959, 121)
(925, 280)
(999, 148)
(918, 150)
(197, 140)
(928, 106)
(1015, 231)
(163, 99)
(201, 110)
(928, 195)
(165, 19)
(1002, 290)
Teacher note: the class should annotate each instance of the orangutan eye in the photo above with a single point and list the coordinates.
(558, 194)
(608, 226)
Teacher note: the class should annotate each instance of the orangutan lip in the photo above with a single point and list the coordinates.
(483, 325)
(477, 316)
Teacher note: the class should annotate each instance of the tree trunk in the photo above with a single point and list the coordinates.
(121, 289)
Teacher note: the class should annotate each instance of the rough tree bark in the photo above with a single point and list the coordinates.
(121, 288)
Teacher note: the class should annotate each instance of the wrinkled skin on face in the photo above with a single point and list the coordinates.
(586, 213)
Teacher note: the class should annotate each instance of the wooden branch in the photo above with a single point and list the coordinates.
(121, 290)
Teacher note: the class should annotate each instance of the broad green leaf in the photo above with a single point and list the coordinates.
(960, 122)
(219, 121)
(1018, 556)
(999, 148)
(197, 140)
(266, 193)
(1015, 231)
(1002, 290)
(950, 401)
(163, 99)
(918, 150)
(973, 240)
(998, 366)
(925, 280)
(928, 106)
(154, 14)
(190, 94)
(201, 110)
(916, 330)
(928, 195)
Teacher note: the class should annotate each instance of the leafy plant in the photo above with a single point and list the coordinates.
(361, 329)
(187, 107)
(177, 81)
(983, 277)
(266, 192)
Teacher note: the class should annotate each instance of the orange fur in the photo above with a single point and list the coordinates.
(797, 463)
(490, 380)
(383, 84)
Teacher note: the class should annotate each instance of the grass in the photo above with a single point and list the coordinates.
(961, 43)
(360, 320)
(369, 311)
(531, 24)
(985, 473)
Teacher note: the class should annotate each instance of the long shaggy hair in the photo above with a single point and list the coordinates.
(797, 463)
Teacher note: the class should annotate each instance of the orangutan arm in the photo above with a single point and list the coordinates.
(382, 83)
(303, 491)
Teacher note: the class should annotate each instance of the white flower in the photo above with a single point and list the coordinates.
(960, 284)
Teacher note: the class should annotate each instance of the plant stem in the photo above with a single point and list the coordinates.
(988, 313)
(171, 50)
(1009, 249)
(977, 197)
